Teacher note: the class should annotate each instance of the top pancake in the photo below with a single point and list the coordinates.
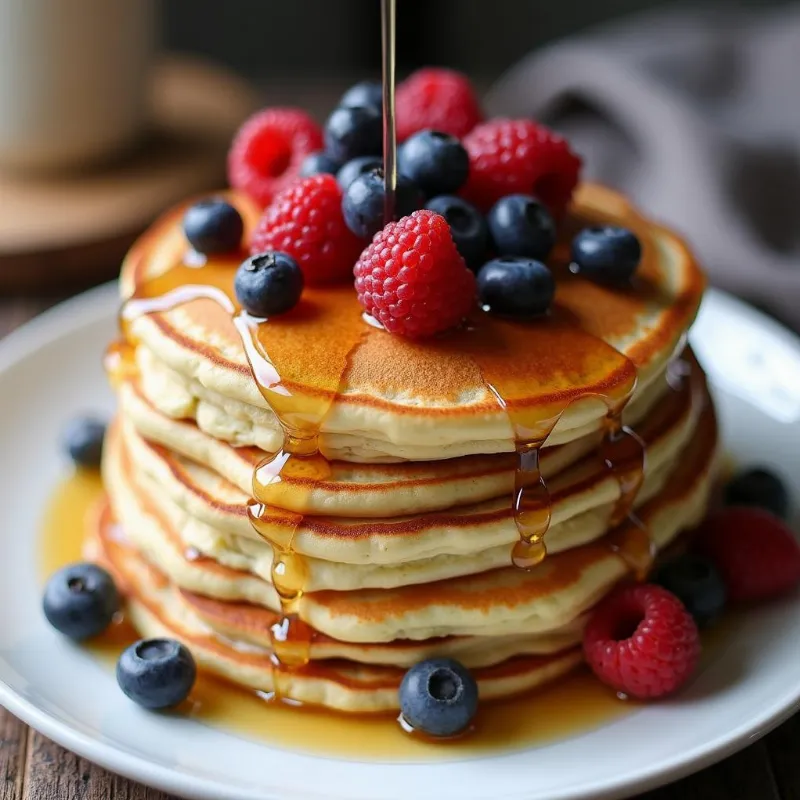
(467, 392)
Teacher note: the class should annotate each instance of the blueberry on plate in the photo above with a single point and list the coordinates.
(521, 226)
(467, 226)
(758, 487)
(357, 167)
(695, 581)
(80, 600)
(213, 226)
(515, 286)
(436, 162)
(438, 697)
(268, 283)
(156, 673)
(365, 93)
(363, 202)
(353, 132)
(606, 253)
(318, 163)
(82, 440)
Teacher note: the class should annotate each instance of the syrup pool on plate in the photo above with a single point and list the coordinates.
(572, 706)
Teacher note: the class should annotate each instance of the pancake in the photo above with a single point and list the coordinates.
(346, 553)
(498, 602)
(464, 393)
(354, 489)
(335, 683)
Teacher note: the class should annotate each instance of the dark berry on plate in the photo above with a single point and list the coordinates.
(318, 163)
(268, 283)
(267, 151)
(437, 162)
(356, 167)
(80, 600)
(695, 581)
(606, 253)
(522, 226)
(439, 697)
(515, 286)
(156, 673)
(758, 487)
(213, 226)
(363, 202)
(353, 132)
(82, 439)
(467, 225)
(365, 93)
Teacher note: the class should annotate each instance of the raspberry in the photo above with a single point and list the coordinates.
(517, 156)
(756, 554)
(305, 220)
(436, 98)
(412, 279)
(642, 641)
(269, 149)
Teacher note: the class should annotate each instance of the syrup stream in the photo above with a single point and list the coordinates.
(388, 38)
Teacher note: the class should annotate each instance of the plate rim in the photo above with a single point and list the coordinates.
(94, 305)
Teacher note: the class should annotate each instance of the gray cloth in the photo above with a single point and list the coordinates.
(696, 116)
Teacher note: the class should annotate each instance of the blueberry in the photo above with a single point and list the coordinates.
(467, 225)
(318, 163)
(363, 201)
(436, 162)
(82, 439)
(521, 226)
(697, 584)
(761, 488)
(438, 697)
(365, 93)
(268, 284)
(357, 166)
(606, 253)
(80, 600)
(156, 673)
(353, 132)
(213, 226)
(516, 286)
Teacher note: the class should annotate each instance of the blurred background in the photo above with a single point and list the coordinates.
(306, 39)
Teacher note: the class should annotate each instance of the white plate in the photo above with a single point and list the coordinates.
(50, 370)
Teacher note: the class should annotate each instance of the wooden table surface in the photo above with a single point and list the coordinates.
(34, 768)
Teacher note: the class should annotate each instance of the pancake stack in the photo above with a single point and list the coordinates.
(473, 495)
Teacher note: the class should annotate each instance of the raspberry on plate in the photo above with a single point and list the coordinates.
(305, 220)
(412, 279)
(436, 98)
(269, 149)
(642, 641)
(755, 552)
(518, 156)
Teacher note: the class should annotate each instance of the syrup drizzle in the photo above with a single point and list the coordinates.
(269, 347)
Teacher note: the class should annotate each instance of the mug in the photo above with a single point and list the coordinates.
(74, 78)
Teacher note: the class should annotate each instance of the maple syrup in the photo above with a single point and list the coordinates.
(574, 705)
(388, 42)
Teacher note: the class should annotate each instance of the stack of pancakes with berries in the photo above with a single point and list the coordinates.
(301, 384)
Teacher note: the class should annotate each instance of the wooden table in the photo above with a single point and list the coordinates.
(34, 768)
